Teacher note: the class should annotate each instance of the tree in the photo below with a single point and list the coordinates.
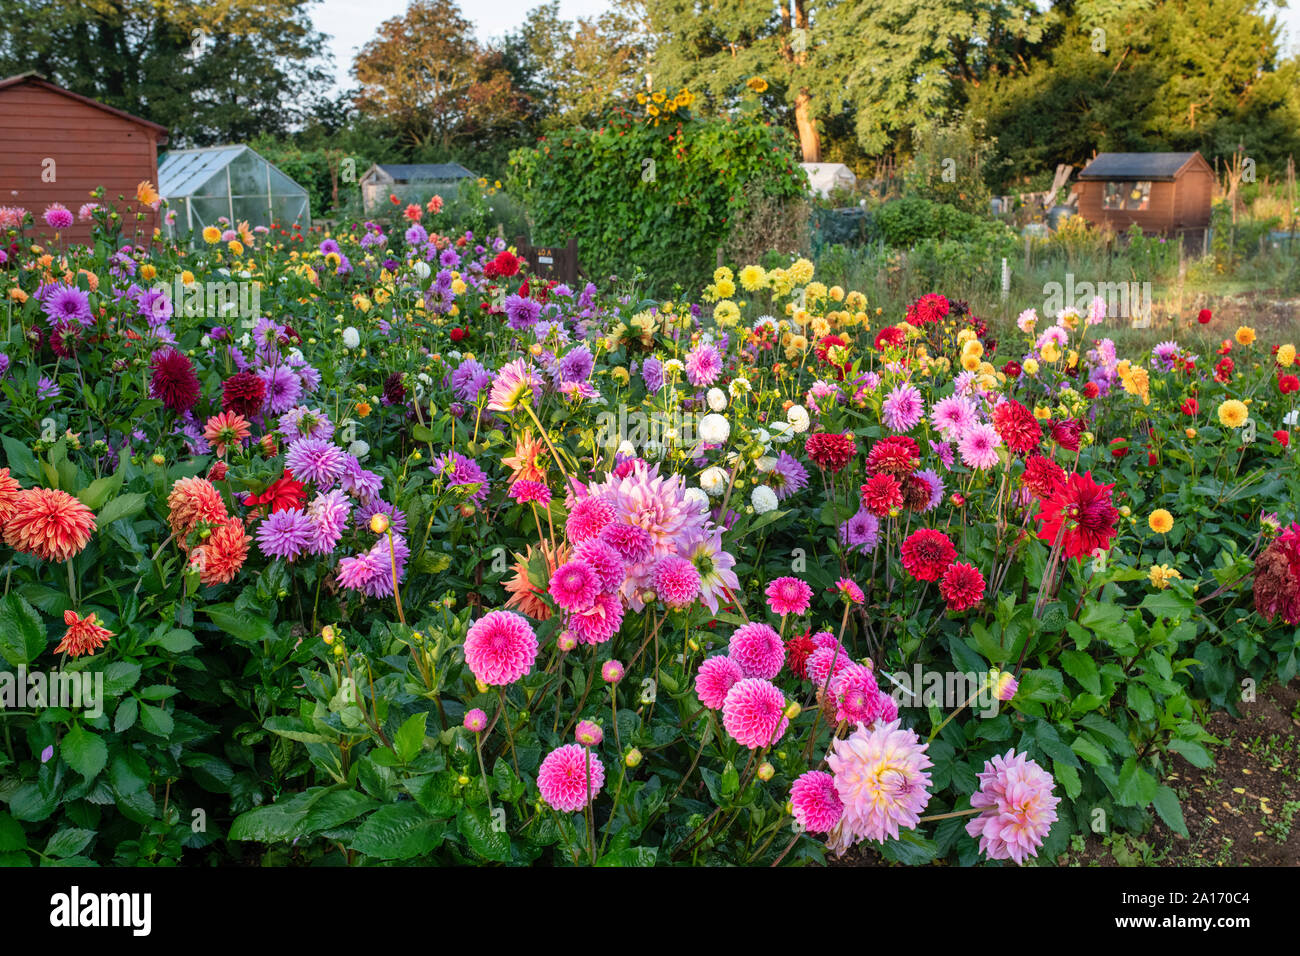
(570, 69)
(209, 72)
(425, 73)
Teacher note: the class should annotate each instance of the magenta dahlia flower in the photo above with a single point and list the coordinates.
(758, 649)
(1018, 807)
(817, 805)
(569, 777)
(788, 595)
(588, 519)
(754, 713)
(500, 647)
(476, 720)
(677, 582)
(598, 623)
(714, 678)
(588, 733)
(575, 585)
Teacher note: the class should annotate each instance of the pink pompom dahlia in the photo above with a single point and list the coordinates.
(758, 649)
(574, 585)
(714, 678)
(754, 713)
(817, 806)
(500, 647)
(1018, 807)
(880, 777)
(788, 595)
(569, 776)
(677, 581)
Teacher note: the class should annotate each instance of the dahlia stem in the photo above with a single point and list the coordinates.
(948, 816)
(510, 734)
(397, 591)
(983, 687)
(559, 463)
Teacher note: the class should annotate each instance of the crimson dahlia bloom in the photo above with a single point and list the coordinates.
(174, 380)
(1017, 427)
(830, 452)
(1081, 510)
(243, 393)
(881, 493)
(927, 553)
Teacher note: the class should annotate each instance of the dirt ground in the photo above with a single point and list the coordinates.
(1243, 811)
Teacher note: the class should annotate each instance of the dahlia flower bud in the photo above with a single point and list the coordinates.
(1005, 686)
(632, 758)
(766, 771)
(379, 522)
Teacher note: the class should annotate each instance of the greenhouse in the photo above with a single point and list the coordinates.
(203, 185)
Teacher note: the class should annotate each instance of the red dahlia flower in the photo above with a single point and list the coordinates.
(830, 451)
(928, 309)
(1081, 512)
(243, 394)
(1017, 427)
(881, 493)
(895, 455)
(962, 586)
(282, 494)
(174, 380)
(927, 553)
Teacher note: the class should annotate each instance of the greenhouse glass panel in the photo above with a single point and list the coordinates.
(204, 186)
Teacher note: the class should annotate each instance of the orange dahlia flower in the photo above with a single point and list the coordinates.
(222, 554)
(8, 494)
(226, 428)
(48, 523)
(83, 636)
(526, 465)
(194, 500)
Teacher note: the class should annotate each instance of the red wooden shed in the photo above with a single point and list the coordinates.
(1165, 193)
(58, 145)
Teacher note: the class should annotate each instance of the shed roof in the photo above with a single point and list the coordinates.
(1146, 166)
(422, 172)
(33, 78)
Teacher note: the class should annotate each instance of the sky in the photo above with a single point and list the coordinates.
(352, 23)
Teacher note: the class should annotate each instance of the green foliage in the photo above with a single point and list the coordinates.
(659, 196)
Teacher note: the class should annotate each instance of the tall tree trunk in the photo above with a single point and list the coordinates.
(810, 144)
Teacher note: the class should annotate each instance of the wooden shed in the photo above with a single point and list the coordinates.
(1166, 193)
(59, 145)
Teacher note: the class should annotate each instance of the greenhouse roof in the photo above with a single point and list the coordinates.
(182, 171)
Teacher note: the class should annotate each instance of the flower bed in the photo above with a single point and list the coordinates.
(375, 548)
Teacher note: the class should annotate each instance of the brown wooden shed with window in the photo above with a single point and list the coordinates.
(1166, 193)
(56, 146)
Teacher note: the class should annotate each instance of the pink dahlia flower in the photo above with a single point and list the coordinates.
(880, 777)
(605, 561)
(714, 679)
(754, 713)
(788, 596)
(611, 672)
(1018, 807)
(677, 582)
(598, 623)
(758, 649)
(858, 698)
(588, 518)
(817, 805)
(824, 662)
(575, 585)
(476, 720)
(569, 776)
(500, 647)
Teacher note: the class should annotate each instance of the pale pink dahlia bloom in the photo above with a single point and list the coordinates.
(714, 679)
(677, 582)
(500, 647)
(563, 777)
(817, 805)
(588, 733)
(658, 506)
(754, 713)
(758, 649)
(1018, 806)
(880, 777)
(788, 595)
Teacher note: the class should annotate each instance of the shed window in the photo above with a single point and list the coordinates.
(1133, 196)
